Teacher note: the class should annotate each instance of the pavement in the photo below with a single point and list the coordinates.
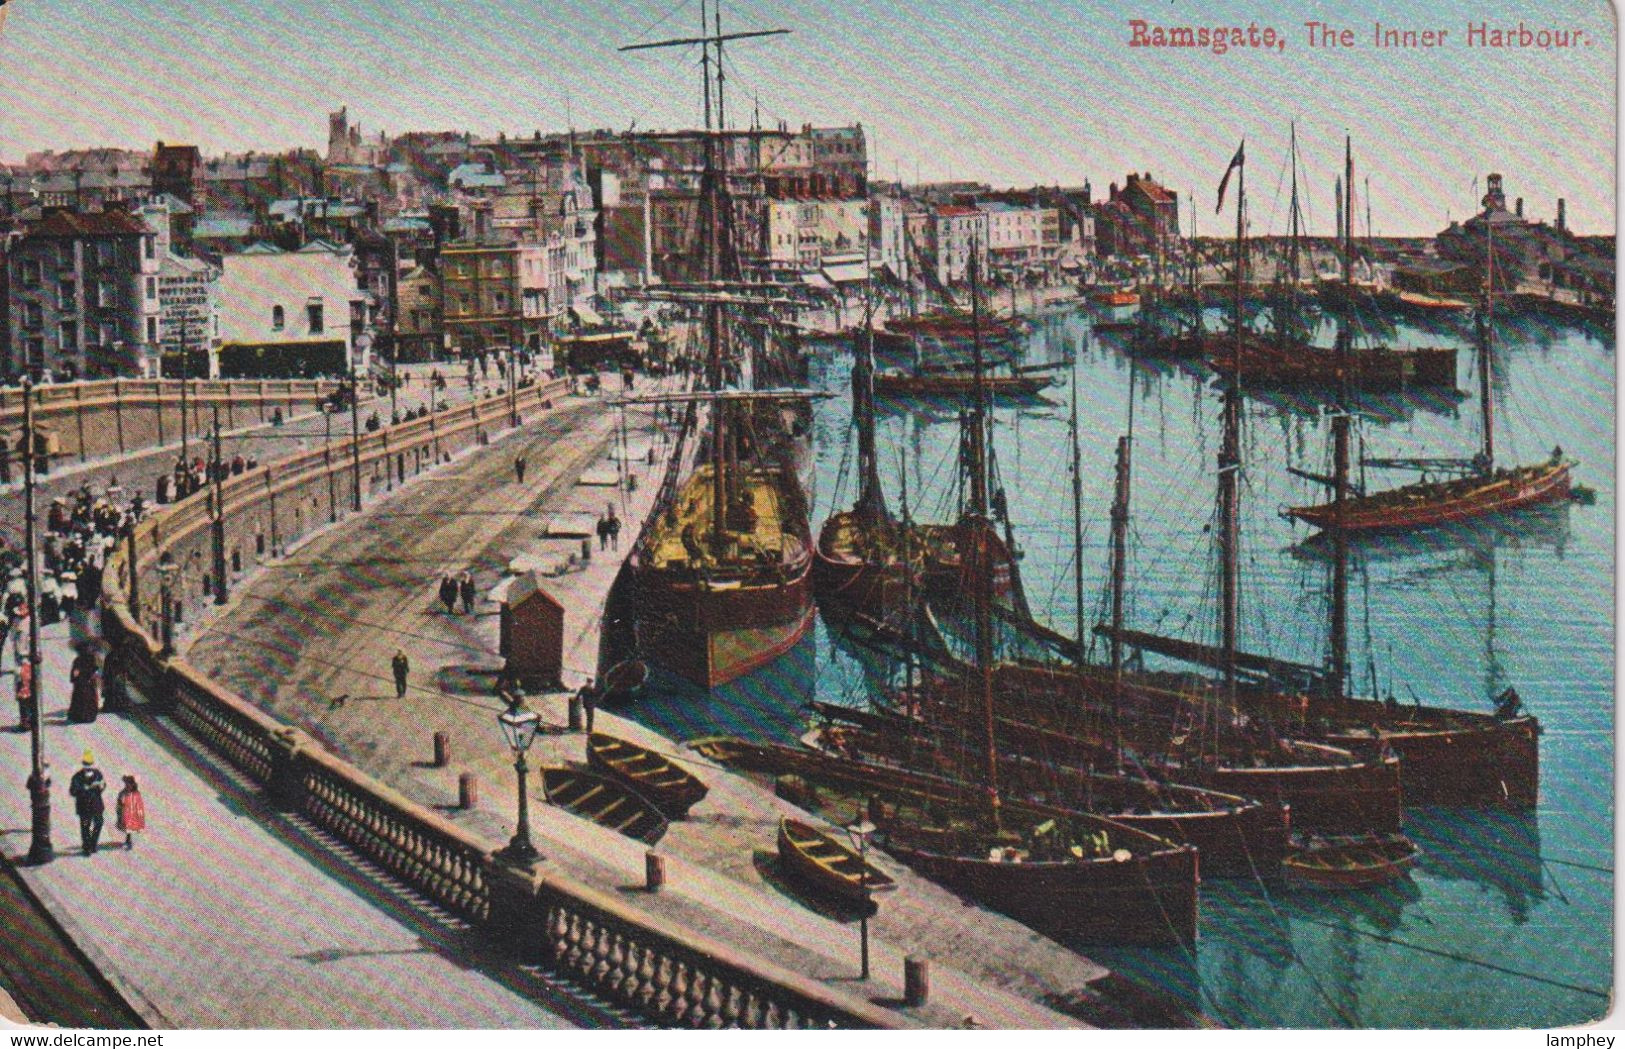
(323, 623)
(227, 914)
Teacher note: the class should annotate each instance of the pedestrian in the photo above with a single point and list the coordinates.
(614, 525)
(603, 533)
(25, 696)
(86, 787)
(448, 593)
(131, 811)
(589, 700)
(465, 590)
(401, 666)
(519, 469)
(85, 704)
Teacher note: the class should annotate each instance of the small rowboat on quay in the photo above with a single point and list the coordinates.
(673, 789)
(824, 864)
(1351, 863)
(605, 802)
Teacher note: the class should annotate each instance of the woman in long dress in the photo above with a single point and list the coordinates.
(86, 702)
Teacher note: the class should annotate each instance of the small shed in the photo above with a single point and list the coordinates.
(532, 638)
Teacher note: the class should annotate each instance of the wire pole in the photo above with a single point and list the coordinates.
(39, 785)
(355, 432)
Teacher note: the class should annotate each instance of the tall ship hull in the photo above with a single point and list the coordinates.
(1431, 504)
(712, 616)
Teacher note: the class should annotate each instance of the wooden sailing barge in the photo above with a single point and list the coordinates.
(721, 569)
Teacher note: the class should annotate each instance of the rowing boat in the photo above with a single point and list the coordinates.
(672, 788)
(604, 802)
(1352, 863)
(828, 866)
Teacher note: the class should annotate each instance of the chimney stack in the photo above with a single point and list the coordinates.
(1562, 215)
(1520, 207)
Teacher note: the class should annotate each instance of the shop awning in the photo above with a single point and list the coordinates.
(846, 273)
(817, 280)
(587, 315)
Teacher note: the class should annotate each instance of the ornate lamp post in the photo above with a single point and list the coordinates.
(167, 571)
(39, 784)
(363, 343)
(519, 729)
(859, 833)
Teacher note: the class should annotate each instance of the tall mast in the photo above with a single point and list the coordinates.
(1230, 459)
(1336, 678)
(1119, 584)
(979, 530)
(871, 504)
(1486, 321)
(1292, 247)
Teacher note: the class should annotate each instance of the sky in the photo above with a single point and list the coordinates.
(1010, 93)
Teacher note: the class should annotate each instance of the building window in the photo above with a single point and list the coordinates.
(34, 349)
(33, 315)
(278, 318)
(104, 252)
(31, 273)
(64, 254)
(107, 334)
(68, 335)
(313, 314)
(152, 289)
(104, 294)
(149, 247)
(64, 295)
(152, 329)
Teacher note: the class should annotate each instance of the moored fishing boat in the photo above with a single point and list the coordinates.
(1075, 876)
(956, 384)
(673, 789)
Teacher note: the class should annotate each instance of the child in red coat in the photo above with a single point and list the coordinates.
(132, 811)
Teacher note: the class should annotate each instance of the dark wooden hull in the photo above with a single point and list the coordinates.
(1453, 758)
(858, 571)
(673, 789)
(828, 867)
(1432, 504)
(955, 384)
(715, 623)
(1148, 898)
(1371, 370)
(604, 801)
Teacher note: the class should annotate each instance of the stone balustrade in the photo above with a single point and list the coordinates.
(667, 974)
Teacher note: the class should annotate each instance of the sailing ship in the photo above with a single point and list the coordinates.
(1478, 488)
(1447, 756)
(866, 561)
(720, 571)
(1287, 359)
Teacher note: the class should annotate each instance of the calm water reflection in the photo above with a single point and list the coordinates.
(1511, 912)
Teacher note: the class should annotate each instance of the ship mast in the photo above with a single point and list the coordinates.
(1486, 320)
(1230, 457)
(712, 203)
(871, 504)
(1337, 672)
(977, 534)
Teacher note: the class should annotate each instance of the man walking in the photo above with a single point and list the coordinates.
(86, 787)
(519, 469)
(448, 593)
(401, 666)
(465, 590)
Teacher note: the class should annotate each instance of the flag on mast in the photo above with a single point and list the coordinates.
(1235, 162)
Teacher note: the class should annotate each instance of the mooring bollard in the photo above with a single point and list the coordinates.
(916, 980)
(468, 790)
(442, 750)
(654, 871)
(586, 549)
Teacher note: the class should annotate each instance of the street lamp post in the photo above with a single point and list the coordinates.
(362, 343)
(39, 785)
(519, 729)
(167, 571)
(859, 832)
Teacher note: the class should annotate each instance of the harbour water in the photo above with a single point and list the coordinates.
(1507, 922)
